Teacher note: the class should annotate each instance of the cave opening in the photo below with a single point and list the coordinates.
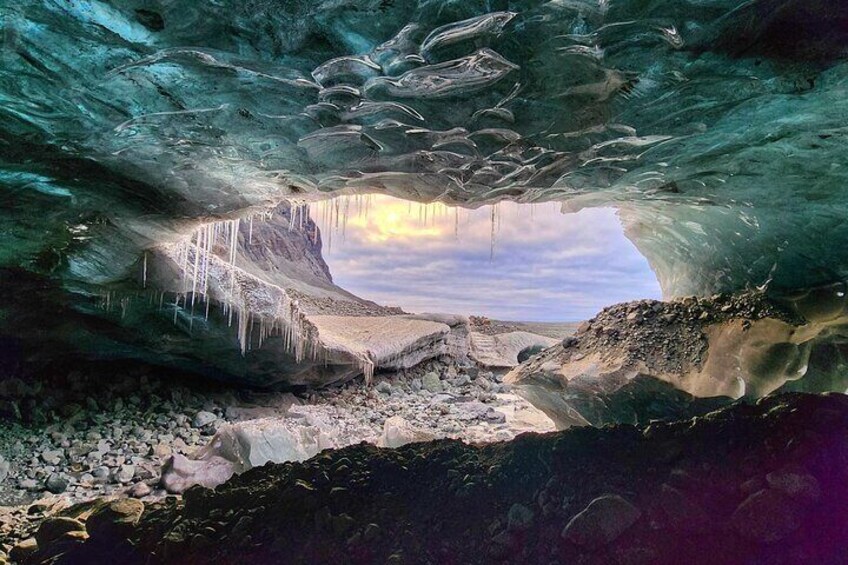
(508, 261)
(222, 340)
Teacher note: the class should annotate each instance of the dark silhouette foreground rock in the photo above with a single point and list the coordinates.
(761, 483)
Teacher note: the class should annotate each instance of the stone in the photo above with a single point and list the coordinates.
(203, 418)
(139, 490)
(371, 532)
(766, 516)
(161, 450)
(52, 457)
(683, 513)
(795, 483)
(23, 550)
(4, 469)
(179, 472)
(125, 473)
(114, 520)
(461, 380)
(432, 383)
(601, 522)
(384, 387)
(100, 474)
(53, 528)
(495, 417)
(29, 484)
(56, 483)
(519, 517)
(397, 432)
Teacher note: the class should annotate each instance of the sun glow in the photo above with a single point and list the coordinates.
(395, 220)
(383, 218)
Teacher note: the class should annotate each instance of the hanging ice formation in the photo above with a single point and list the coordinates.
(208, 263)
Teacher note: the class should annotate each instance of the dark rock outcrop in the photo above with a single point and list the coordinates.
(647, 360)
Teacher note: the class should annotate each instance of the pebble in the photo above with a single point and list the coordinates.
(28, 484)
(519, 517)
(384, 387)
(120, 448)
(139, 490)
(432, 383)
(125, 473)
(52, 457)
(203, 418)
(56, 483)
(23, 550)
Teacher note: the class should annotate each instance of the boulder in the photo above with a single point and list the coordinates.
(384, 387)
(766, 516)
(139, 490)
(114, 520)
(54, 528)
(601, 522)
(125, 473)
(235, 448)
(795, 483)
(23, 550)
(397, 432)
(179, 472)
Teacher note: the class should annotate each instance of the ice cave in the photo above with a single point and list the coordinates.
(423, 281)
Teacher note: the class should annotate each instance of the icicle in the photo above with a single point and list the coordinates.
(144, 271)
(492, 241)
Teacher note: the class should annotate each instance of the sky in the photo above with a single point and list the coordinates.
(544, 265)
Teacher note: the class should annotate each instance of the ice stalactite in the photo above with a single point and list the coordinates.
(335, 213)
(257, 309)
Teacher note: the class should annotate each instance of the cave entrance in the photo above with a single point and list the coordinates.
(509, 261)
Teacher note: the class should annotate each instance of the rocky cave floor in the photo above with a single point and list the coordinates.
(749, 483)
(108, 434)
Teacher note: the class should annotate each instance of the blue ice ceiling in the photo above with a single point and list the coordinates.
(716, 127)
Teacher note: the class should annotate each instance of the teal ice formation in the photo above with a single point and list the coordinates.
(131, 128)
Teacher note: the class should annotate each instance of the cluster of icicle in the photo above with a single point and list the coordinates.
(244, 299)
(248, 302)
(333, 214)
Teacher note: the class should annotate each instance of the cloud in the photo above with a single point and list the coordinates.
(546, 266)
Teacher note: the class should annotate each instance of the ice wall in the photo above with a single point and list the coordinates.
(717, 127)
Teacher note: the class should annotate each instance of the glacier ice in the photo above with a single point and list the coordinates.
(716, 131)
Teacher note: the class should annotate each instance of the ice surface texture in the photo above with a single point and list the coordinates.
(717, 128)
